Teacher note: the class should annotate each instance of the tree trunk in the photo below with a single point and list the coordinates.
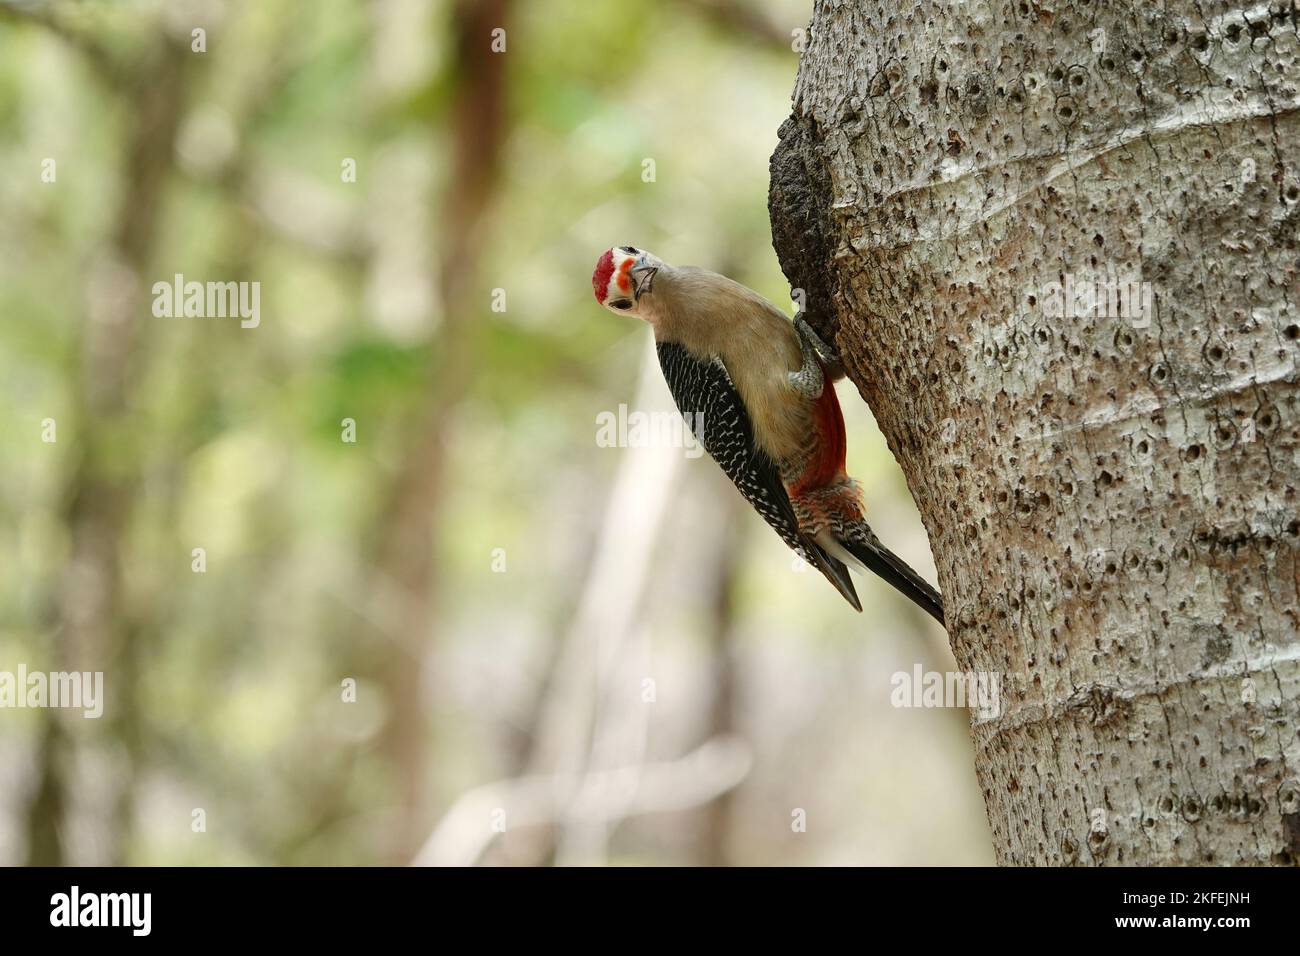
(93, 629)
(404, 553)
(1109, 482)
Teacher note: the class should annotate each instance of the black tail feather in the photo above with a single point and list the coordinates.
(894, 569)
(835, 572)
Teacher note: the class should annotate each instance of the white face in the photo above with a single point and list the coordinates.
(624, 274)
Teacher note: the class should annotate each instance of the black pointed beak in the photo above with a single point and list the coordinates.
(643, 276)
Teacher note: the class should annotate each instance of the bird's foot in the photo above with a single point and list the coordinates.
(830, 359)
(809, 380)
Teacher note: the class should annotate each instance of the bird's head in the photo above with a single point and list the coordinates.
(623, 276)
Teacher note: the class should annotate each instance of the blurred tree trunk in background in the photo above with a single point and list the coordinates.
(1109, 484)
(92, 628)
(723, 584)
(404, 552)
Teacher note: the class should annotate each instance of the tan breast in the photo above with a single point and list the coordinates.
(715, 317)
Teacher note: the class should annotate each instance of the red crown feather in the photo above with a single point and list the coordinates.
(600, 278)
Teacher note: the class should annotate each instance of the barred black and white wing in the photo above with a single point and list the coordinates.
(716, 414)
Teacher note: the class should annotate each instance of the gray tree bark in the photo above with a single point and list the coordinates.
(1109, 482)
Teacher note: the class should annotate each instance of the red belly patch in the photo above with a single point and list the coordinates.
(826, 466)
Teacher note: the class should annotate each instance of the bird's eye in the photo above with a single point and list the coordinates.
(621, 304)
(631, 250)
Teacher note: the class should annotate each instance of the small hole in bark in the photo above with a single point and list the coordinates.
(1292, 332)
(1194, 452)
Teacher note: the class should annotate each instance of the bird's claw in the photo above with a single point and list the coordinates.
(828, 356)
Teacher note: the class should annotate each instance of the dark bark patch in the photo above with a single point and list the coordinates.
(1291, 834)
(798, 199)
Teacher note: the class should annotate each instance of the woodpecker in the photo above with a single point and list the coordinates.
(760, 389)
